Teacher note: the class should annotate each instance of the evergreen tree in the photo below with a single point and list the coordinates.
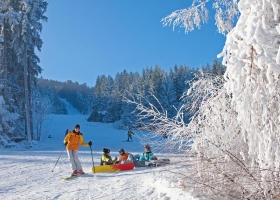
(218, 68)
(252, 57)
(180, 76)
(207, 68)
(22, 25)
(167, 97)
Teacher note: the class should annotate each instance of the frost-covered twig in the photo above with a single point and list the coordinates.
(188, 18)
(197, 13)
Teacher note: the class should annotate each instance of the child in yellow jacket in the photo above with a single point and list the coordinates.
(72, 141)
(106, 159)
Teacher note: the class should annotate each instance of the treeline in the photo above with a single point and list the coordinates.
(162, 89)
(80, 96)
(105, 101)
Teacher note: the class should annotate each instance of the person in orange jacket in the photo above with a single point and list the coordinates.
(72, 141)
(124, 156)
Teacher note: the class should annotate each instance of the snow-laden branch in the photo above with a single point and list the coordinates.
(161, 130)
(188, 18)
(226, 13)
(204, 86)
(197, 13)
(214, 145)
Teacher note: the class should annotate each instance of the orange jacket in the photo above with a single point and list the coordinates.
(124, 156)
(74, 138)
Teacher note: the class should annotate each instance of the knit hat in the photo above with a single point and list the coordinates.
(121, 151)
(148, 146)
(106, 150)
(77, 126)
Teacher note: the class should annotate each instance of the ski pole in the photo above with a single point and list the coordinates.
(91, 156)
(58, 158)
(93, 170)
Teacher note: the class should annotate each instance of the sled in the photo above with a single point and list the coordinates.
(152, 163)
(113, 168)
(138, 163)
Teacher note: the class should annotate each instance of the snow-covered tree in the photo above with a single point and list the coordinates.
(180, 75)
(26, 39)
(7, 119)
(218, 68)
(167, 96)
(8, 19)
(42, 105)
(21, 26)
(252, 57)
(207, 68)
(235, 154)
(85, 102)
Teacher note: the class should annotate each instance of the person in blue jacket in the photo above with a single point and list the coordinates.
(148, 155)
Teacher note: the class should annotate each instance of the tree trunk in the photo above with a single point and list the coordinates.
(26, 97)
(30, 99)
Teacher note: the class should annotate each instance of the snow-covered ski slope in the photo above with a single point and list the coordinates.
(27, 173)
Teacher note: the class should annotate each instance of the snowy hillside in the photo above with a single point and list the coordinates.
(27, 174)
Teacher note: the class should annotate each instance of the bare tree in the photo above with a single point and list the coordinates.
(42, 106)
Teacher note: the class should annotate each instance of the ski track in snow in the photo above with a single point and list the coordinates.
(27, 173)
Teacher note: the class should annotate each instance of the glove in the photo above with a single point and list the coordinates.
(115, 160)
(90, 143)
(65, 143)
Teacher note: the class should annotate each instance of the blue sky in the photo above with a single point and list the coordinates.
(86, 38)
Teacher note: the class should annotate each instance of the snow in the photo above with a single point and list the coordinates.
(27, 173)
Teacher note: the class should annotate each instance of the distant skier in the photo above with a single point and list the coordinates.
(106, 158)
(72, 141)
(124, 156)
(164, 134)
(129, 134)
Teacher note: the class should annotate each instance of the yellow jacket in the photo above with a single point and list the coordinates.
(107, 160)
(74, 138)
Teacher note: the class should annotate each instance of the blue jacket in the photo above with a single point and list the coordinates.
(147, 156)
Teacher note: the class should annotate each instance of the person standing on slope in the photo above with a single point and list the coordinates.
(72, 141)
(129, 135)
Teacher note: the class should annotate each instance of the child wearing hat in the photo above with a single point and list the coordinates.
(124, 156)
(72, 141)
(106, 158)
(148, 155)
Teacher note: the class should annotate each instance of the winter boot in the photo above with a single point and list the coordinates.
(74, 173)
(81, 171)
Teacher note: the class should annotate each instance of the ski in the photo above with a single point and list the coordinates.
(72, 177)
(68, 178)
